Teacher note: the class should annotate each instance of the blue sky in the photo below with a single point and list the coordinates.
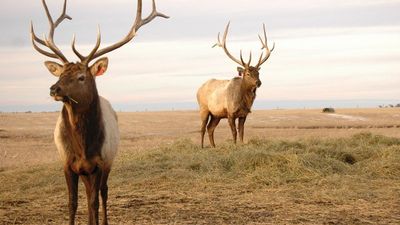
(326, 51)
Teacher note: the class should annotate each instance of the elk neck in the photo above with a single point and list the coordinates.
(248, 93)
(84, 127)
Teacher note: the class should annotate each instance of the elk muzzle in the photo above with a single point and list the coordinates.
(258, 83)
(56, 92)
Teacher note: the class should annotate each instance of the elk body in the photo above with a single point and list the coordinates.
(231, 99)
(86, 134)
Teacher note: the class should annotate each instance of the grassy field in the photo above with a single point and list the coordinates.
(297, 167)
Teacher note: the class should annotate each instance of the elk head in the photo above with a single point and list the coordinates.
(249, 73)
(76, 84)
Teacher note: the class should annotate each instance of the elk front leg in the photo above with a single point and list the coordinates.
(88, 185)
(92, 185)
(242, 120)
(211, 127)
(232, 124)
(72, 183)
(104, 194)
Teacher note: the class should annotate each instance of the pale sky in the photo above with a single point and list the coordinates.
(326, 51)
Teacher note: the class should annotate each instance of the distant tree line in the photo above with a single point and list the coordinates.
(390, 106)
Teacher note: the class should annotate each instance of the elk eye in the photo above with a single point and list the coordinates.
(81, 78)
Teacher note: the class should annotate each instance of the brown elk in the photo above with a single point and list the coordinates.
(86, 134)
(233, 98)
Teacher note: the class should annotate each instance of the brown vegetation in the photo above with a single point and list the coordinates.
(161, 176)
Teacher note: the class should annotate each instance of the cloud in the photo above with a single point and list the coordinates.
(324, 50)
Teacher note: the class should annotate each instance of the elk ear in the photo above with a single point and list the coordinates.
(240, 70)
(54, 68)
(99, 67)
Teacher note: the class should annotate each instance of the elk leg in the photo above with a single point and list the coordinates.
(72, 183)
(87, 183)
(232, 124)
(242, 120)
(204, 116)
(104, 194)
(95, 179)
(92, 184)
(211, 127)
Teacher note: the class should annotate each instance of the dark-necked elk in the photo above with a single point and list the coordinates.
(233, 98)
(86, 134)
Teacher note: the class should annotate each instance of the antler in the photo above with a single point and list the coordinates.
(223, 46)
(139, 22)
(86, 59)
(49, 40)
(241, 59)
(264, 46)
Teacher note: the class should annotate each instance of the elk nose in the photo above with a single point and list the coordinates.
(259, 83)
(54, 90)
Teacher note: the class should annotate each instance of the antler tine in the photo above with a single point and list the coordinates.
(86, 59)
(241, 57)
(264, 44)
(249, 60)
(138, 14)
(80, 56)
(35, 39)
(47, 13)
(152, 15)
(273, 47)
(63, 15)
(49, 41)
(139, 22)
(223, 46)
(219, 41)
(259, 60)
(96, 47)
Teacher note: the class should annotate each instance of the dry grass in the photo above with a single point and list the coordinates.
(335, 181)
(161, 176)
(26, 139)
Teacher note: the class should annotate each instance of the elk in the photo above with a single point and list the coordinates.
(233, 98)
(86, 133)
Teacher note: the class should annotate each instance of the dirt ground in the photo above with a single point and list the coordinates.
(27, 151)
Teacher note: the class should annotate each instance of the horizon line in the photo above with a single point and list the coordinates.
(192, 105)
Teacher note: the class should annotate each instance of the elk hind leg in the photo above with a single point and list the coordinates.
(211, 127)
(204, 116)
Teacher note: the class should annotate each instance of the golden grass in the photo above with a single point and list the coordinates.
(351, 180)
(298, 167)
(26, 139)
